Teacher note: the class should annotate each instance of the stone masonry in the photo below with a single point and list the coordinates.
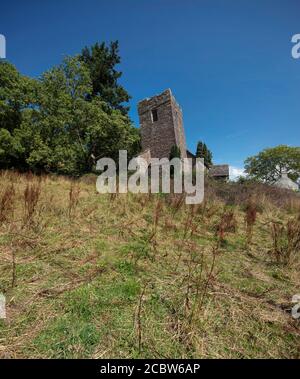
(161, 125)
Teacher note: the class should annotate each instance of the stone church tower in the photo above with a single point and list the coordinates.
(161, 125)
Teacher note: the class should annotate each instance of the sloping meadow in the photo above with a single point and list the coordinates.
(126, 276)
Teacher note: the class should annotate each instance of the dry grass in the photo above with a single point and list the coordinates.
(250, 218)
(6, 202)
(74, 194)
(226, 224)
(31, 197)
(144, 275)
(286, 242)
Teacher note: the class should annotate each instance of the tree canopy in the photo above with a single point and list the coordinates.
(101, 61)
(203, 152)
(175, 152)
(58, 123)
(269, 164)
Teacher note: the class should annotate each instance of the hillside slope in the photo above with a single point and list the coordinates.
(104, 276)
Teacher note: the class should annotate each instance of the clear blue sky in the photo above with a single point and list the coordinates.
(228, 62)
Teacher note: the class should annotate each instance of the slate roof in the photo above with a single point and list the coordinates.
(190, 155)
(219, 170)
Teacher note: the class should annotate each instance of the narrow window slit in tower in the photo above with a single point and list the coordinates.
(154, 115)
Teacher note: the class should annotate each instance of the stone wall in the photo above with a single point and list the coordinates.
(160, 135)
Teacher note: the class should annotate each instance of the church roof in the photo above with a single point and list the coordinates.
(219, 170)
(190, 155)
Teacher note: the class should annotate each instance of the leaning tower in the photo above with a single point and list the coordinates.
(161, 125)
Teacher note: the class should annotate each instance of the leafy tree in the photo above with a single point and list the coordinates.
(203, 152)
(200, 150)
(175, 152)
(49, 125)
(17, 93)
(101, 61)
(79, 131)
(270, 163)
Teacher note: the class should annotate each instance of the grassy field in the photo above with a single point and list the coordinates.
(138, 276)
